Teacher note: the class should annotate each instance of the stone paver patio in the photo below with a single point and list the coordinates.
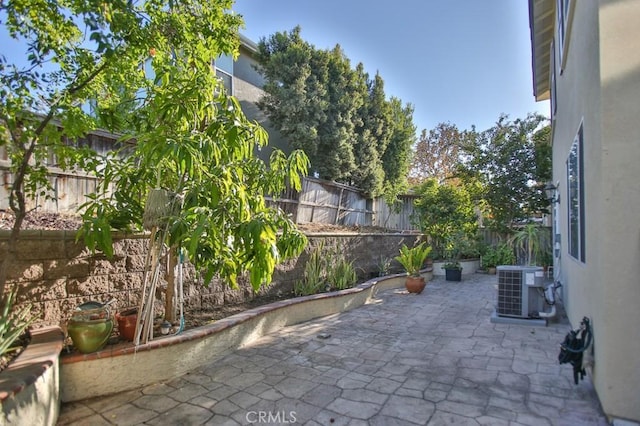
(428, 359)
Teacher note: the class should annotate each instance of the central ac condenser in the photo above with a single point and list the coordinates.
(520, 291)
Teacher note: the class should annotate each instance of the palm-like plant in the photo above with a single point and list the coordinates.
(12, 325)
(413, 258)
(532, 239)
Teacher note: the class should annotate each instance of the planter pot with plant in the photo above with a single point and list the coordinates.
(453, 271)
(457, 244)
(412, 260)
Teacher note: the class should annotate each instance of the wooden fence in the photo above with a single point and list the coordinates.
(319, 201)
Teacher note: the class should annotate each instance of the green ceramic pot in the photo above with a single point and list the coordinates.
(90, 336)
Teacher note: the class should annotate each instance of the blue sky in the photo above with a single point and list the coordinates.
(458, 61)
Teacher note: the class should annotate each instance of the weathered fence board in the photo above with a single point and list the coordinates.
(319, 201)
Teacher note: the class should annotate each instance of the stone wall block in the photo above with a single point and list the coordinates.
(233, 297)
(120, 248)
(40, 249)
(88, 286)
(40, 291)
(133, 298)
(138, 246)
(102, 266)
(22, 271)
(135, 262)
(37, 313)
(195, 302)
(127, 281)
(63, 268)
(73, 249)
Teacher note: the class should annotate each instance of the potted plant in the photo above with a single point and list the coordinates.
(456, 244)
(453, 271)
(412, 260)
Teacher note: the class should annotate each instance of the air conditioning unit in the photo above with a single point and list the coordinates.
(520, 291)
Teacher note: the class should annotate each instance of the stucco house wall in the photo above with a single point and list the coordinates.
(247, 88)
(597, 86)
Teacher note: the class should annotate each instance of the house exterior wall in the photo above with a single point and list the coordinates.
(599, 87)
(247, 88)
(245, 68)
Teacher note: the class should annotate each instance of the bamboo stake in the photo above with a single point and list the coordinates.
(145, 282)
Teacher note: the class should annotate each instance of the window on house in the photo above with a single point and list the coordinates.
(564, 13)
(224, 71)
(554, 99)
(575, 204)
(227, 81)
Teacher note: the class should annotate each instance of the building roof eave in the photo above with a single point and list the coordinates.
(541, 25)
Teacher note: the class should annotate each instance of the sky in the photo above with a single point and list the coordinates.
(465, 62)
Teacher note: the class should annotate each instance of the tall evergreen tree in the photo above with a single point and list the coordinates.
(334, 113)
(397, 156)
(368, 175)
(335, 158)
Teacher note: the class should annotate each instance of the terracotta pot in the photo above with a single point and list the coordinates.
(127, 323)
(415, 284)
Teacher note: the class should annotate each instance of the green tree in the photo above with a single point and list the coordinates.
(372, 127)
(334, 113)
(511, 162)
(190, 138)
(298, 101)
(444, 212)
(437, 153)
(397, 155)
(335, 158)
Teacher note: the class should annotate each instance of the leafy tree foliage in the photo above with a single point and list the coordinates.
(512, 163)
(437, 153)
(340, 118)
(189, 140)
(397, 155)
(445, 212)
(372, 132)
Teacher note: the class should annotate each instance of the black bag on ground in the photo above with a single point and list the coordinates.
(573, 347)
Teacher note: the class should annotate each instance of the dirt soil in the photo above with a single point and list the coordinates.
(69, 222)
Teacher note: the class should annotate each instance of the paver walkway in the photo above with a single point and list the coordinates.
(428, 359)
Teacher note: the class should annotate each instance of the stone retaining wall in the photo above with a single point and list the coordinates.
(54, 273)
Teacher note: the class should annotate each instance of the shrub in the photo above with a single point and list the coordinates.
(314, 275)
(341, 274)
(501, 254)
(324, 271)
(12, 325)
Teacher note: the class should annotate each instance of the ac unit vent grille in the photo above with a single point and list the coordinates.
(510, 292)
